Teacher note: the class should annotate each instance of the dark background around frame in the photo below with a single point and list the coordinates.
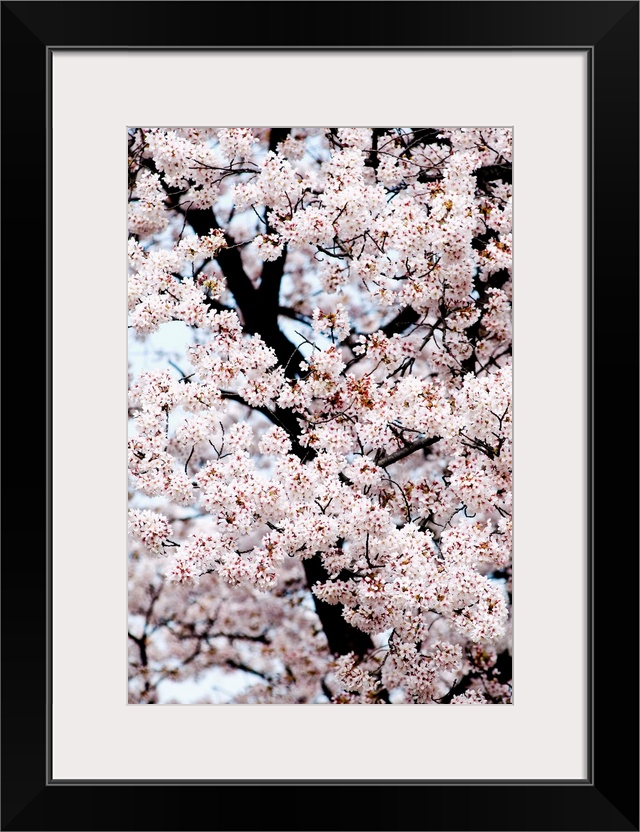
(609, 799)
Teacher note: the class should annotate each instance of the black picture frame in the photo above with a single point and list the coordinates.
(608, 798)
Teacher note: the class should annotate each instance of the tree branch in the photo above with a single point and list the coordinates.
(403, 320)
(408, 450)
(341, 636)
(277, 135)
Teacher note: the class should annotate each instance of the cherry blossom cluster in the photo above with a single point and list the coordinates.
(178, 632)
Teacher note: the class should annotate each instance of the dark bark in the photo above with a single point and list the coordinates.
(277, 135)
(269, 289)
(341, 636)
(494, 281)
(373, 159)
(403, 320)
(258, 307)
(489, 173)
(402, 453)
(428, 135)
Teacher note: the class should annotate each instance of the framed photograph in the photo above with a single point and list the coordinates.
(366, 377)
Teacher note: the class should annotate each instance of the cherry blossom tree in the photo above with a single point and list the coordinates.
(320, 471)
